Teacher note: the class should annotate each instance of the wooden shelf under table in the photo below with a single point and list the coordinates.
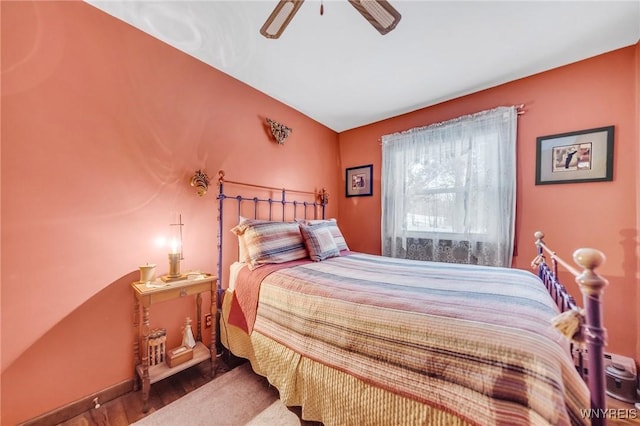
(162, 370)
(144, 297)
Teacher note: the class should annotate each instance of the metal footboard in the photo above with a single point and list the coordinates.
(591, 328)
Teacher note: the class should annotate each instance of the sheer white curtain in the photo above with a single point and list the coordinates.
(448, 190)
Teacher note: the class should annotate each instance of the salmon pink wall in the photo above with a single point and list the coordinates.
(637, 115)
(102, 127)
(597, 92)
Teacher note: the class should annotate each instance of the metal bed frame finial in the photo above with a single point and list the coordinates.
(591, 286)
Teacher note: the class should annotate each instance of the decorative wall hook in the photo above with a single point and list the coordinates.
(200, 181)
(323, 197)
(279, 131)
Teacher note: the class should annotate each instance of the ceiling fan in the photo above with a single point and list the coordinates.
(379, 13)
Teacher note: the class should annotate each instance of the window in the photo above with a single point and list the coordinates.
(448, 190)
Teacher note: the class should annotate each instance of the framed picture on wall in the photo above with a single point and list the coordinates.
(582, 156)
(359, 181)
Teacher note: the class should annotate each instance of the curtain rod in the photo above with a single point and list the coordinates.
(519, 111)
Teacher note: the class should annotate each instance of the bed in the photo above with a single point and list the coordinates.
(357, 339)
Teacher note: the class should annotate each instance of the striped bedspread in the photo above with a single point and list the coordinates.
(473, 341)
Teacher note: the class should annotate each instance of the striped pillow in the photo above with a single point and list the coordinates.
(271, 242)
(333, 227)
(243, 255)
(319, 241)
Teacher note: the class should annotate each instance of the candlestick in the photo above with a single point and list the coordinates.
(174, 265)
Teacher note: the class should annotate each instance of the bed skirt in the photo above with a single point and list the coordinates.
(325, 394)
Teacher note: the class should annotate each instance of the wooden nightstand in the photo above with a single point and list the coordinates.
(159, 291)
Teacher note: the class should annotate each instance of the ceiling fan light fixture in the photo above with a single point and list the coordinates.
(280, 18)
(379, 13)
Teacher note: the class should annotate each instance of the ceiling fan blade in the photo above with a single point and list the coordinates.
(379, 13)
(280, 18)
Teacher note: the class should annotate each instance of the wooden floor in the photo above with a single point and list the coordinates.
(127, 409)
(625, 414)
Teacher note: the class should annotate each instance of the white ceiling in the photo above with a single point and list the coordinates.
(338, 70)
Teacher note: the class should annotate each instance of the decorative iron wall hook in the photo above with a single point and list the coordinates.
(200, 181)
(323, 197)
(279, 131)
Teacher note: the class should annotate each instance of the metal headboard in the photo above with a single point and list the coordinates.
(300, 203)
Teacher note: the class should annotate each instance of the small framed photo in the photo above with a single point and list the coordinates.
(359, 181)
(582, 156)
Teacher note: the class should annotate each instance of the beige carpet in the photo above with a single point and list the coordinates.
(239, 397)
